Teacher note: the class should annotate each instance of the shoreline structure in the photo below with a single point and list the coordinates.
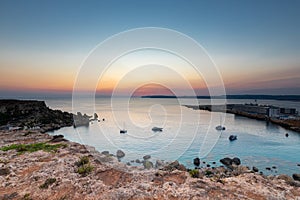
(285, 117)
(35, 165)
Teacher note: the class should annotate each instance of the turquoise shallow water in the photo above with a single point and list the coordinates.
(187, 133)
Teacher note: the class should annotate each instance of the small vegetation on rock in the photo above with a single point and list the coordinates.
(82, 161)
(194, 173)
(28, 133)
(84, 166)
(208, 173)
(47, 183)
(26, 197)
(4, 161)
(21, 148)
(85, 169)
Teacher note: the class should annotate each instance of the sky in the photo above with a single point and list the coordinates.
(254, 44)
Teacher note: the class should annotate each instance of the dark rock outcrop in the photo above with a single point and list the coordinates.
(236, 161)
(146, 157)
(197, 161)
(174, 165)
(296, 177)
(120, 154)
(4, 171)
(58, 138)
(105, 153)
(147, 164)
(255, 169)
(226, 161)
(159, 164)
(32, 114)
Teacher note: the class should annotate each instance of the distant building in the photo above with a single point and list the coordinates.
(265, 110)
(289, 111)
(251, 108)
(273, 112)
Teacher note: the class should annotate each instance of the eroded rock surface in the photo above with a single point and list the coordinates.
(54, 175)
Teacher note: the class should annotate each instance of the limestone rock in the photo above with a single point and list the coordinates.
(120, 154)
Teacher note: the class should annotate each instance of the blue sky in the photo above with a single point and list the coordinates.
(245, 38)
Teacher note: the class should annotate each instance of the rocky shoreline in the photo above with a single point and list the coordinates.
(35, 115)
(74, 171)
(35, 165)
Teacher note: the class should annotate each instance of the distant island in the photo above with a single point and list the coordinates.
(246, 96)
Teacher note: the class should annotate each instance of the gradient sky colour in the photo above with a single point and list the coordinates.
(256, 44)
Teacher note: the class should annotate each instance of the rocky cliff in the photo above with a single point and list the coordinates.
(31, 113)
(39, 166)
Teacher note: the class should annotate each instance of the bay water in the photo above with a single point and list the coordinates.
(186, 134)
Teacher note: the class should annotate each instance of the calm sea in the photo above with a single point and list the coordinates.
(186, 133)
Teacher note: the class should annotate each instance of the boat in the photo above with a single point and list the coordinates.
(232, 137)
(123, 131)
(220, 128)
(157, 129)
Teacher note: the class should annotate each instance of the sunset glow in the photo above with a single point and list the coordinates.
(257, 54)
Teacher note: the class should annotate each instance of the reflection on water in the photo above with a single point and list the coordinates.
(186, 133)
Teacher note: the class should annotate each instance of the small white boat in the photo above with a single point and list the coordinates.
(123, 131)
(220, 128)
(232, 137)
(157, 129)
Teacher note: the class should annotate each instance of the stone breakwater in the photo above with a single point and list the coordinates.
(70, 170)
(292, 124)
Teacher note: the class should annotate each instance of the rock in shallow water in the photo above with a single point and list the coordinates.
(296, 177)
(58, 138)
(174, 165)
(255, 169)
(105, 153)
(120, 154)
(148, 164)
(146, 157)
(159, 163)
(197, 161)
(236, 161)
(226, 161)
